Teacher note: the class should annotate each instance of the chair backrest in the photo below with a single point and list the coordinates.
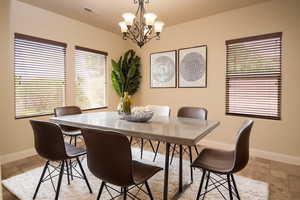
(67, 110)
(48, 140)
(160, 110)
(192, 112)
(109, 156)
(241, 154)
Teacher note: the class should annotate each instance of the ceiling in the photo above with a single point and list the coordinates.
(107, 13)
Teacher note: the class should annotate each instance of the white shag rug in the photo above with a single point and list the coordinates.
(23, 185)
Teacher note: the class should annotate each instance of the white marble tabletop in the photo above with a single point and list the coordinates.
(183, 131)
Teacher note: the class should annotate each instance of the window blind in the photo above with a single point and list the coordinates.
(253, 76)
(90, 78)
(39, 75)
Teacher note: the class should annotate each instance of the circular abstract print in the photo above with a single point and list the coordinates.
(192, 67)
(164, 70)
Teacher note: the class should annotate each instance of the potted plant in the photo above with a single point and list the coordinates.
(126, 77)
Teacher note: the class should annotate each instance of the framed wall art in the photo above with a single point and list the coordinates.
(192, 71)
(163, 67)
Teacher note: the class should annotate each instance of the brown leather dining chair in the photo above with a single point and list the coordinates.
(195, 113)
(69, 131)
(224, 163)
(109, 158)
(49, 144)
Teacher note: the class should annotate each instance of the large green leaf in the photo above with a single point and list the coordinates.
(116, 84)
(118, 71)
(125, 73)
(132, 71)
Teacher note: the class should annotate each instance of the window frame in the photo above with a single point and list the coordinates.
(43, 41)
(279, 91)
(81, 48)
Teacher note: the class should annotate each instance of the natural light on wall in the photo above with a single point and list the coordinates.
(90, 81)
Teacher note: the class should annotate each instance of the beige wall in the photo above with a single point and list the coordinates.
(16, 135)
(4, 59)
(268, 135)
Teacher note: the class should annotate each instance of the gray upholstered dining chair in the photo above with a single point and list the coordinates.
(224, 163)
(158, 111)
(109, 158)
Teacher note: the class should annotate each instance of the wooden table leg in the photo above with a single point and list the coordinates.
(166, 178)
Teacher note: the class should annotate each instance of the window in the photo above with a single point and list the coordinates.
(253, 76)
(39, 75)
(90, 79)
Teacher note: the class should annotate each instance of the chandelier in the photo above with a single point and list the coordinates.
(141, 27)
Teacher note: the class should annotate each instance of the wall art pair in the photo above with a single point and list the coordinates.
(190, 73)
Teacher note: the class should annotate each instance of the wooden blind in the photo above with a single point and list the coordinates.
(253, 76)
(90, 78)
(39, 75)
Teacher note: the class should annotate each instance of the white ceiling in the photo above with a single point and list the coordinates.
(107, 13)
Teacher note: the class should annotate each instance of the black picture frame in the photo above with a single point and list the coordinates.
(175, 69)
(179, 67)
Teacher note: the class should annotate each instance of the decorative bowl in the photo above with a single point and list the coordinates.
(139, 116)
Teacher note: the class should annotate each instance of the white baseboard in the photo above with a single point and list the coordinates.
(294, 160)
(17, 156)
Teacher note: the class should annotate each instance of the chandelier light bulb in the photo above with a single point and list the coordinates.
(158, 26)
(150, 19)
(128, 18)
(123, 27)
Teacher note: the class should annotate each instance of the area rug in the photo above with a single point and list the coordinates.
(23, 185)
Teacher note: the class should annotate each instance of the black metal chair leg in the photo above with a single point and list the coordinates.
(196, 149)
(71, 138)
(125, 194)
(71, 170)
(75, 143)
(41, 179)
(148, 190)
(156, 151)
(235, 187)
(152, 147)
(191, 161)
(61, 173)
(84, 176)
(130, 140)
(206, 185)
(173, 152)
(201, 183)
(229, 187)
(142, 147)
(68, 174)
(101, 189)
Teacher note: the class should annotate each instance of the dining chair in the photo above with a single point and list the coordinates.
(195, 113)
(158, 111)
(224, 163)
(49, 144)
(69, 131)
(109, 159)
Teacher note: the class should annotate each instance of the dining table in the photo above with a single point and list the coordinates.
(169, 130)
